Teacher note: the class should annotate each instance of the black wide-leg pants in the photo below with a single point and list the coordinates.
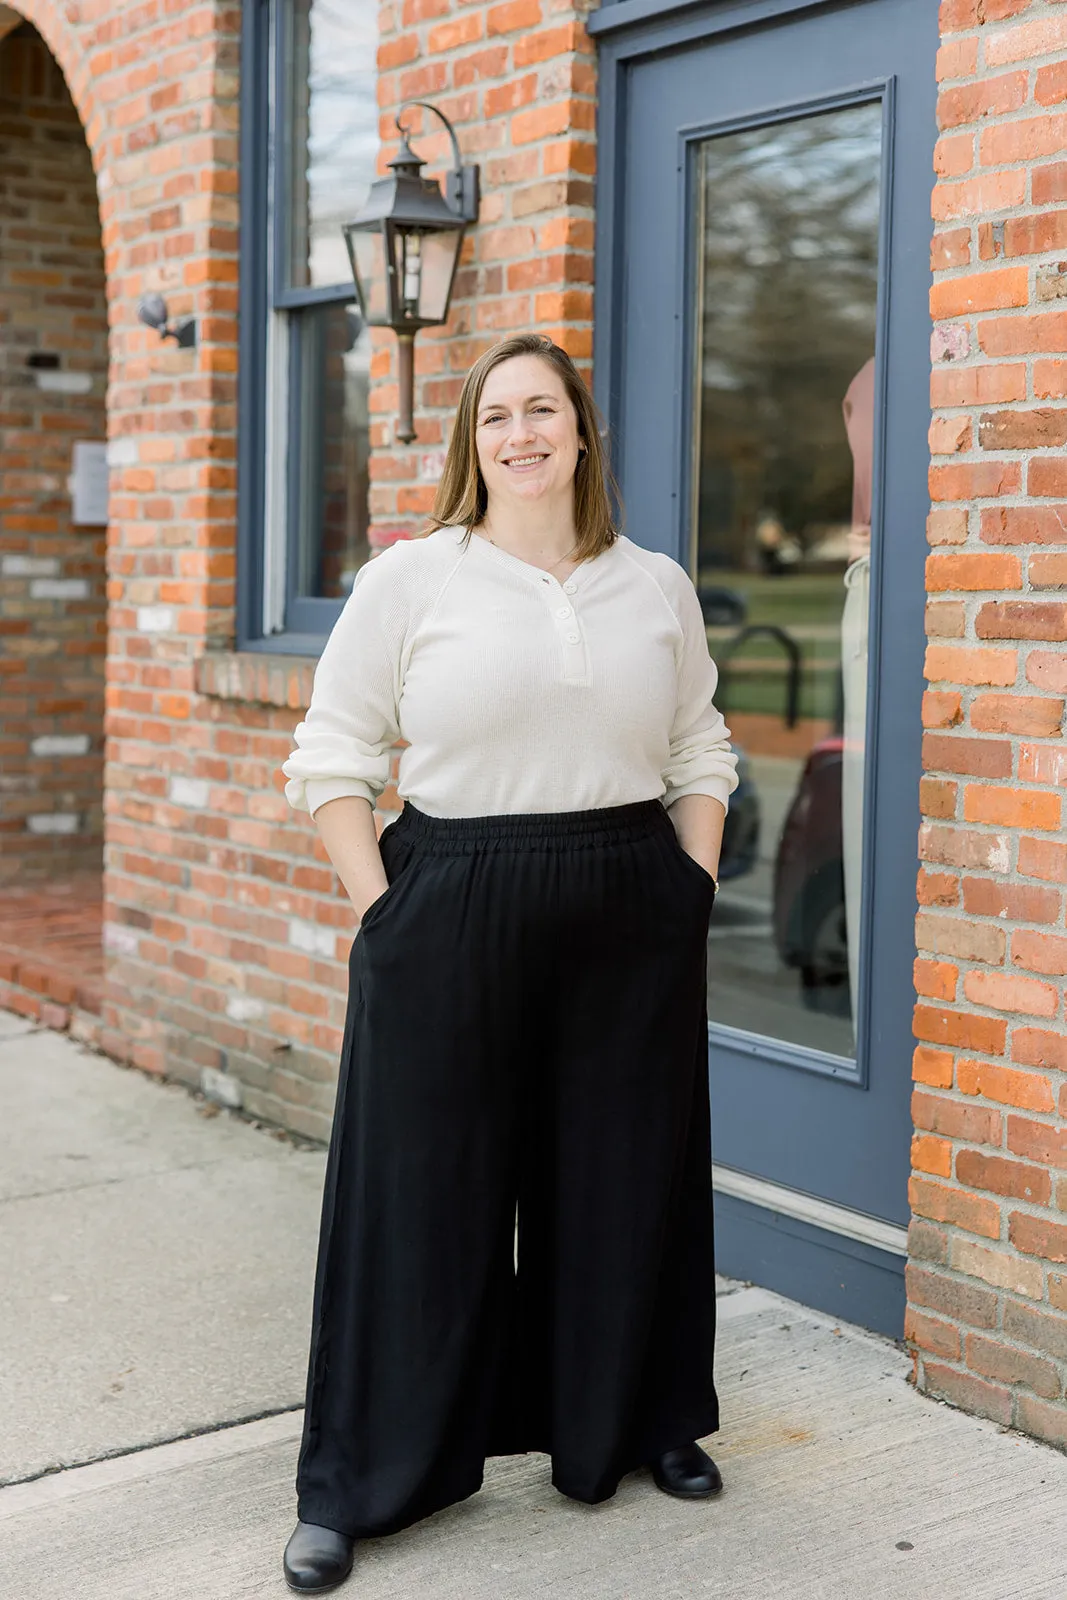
(526, 1037)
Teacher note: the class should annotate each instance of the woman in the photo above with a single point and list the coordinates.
(527, 1029)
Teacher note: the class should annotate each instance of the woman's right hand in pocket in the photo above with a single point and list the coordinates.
(346, 827)
(366, 903)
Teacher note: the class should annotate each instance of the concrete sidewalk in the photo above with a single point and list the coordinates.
(158, 1267)
(158, 1262)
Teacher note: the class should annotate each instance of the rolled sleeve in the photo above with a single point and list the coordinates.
(701, 759)
(343, 744)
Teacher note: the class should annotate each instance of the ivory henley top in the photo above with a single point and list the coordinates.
(515, 692)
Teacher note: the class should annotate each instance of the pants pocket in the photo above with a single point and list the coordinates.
(372, 909)
(699, 874)
(398, 860)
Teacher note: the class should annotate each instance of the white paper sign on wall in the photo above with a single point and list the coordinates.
(88, 483)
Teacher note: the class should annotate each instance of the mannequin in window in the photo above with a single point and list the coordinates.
(858, 409)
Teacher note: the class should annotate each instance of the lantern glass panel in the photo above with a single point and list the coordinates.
(438, 253)
(366, 248)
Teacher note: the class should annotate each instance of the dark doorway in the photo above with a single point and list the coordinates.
(53, 514)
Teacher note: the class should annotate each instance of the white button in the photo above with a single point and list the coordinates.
(546, 579)
(563, 611)
(574, 638)
(569, 588)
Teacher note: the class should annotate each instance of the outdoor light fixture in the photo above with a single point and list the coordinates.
(152, 311)
(404, 246)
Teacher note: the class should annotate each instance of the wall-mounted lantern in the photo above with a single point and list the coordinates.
(404, 246)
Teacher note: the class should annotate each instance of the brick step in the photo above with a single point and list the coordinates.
(51, 949)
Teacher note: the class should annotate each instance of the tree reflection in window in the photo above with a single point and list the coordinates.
(790, 271)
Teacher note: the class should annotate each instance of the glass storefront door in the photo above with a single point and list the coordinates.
(762, 354)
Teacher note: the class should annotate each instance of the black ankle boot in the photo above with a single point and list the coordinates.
(689, 1473)
(317, 1559)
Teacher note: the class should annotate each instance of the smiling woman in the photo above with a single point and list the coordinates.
(527, 1016)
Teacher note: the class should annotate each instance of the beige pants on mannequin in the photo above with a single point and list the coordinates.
(854, 623)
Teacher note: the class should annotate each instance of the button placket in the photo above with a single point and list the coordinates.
(567, 626)
(565, 621)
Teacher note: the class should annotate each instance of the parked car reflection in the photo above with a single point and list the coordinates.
(740, 836)
(722, 607)
(779, 941)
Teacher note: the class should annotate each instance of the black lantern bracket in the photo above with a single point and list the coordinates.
(463, 190)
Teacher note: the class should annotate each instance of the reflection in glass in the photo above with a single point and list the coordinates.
(333, 131)
(330, 428)
(783, 443)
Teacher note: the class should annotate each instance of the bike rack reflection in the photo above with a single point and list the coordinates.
(808, 910)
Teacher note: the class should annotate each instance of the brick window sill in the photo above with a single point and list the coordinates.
(256, 679)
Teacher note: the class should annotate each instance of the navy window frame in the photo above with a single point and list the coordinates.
(271, 616)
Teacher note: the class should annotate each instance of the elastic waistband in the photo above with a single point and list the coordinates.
(531, 829)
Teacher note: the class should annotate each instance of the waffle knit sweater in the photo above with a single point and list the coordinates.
(515, 692)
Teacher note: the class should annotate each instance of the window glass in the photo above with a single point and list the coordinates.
(329, 450)
(783, 445)
(332, 134)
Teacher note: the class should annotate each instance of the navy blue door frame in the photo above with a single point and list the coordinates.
(812, 1150)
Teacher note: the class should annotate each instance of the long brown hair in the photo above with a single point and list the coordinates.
(461, 498)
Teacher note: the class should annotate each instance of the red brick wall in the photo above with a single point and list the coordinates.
(213, 894)
(224, 927)
(195, 838)
(517, 79)
(53, 632)
(988, 1273)
(228, 932)
(225, 932)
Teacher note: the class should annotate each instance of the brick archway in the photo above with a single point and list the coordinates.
(74, 55)
(153, 96)
(53, 605)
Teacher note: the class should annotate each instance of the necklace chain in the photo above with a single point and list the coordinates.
(557, 563)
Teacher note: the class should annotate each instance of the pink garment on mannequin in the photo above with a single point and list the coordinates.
(858, 408)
